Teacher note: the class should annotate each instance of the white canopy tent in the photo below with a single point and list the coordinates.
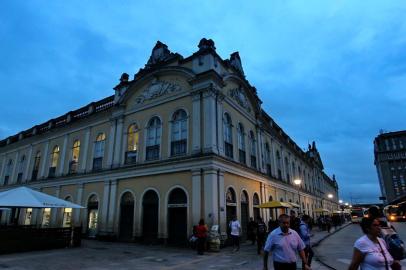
(24, 197)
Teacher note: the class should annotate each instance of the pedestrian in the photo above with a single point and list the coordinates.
(261, 234)
(370, 251)
(284, 242)
(235, 229)
(304, 230)
(252, 229)
(328, 223)
(201, 233)
(294, 221)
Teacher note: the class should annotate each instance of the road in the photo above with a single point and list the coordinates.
(336, 251)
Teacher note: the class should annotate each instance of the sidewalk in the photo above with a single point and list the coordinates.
(129, 256)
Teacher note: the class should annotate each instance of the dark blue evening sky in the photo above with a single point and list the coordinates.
(329, 71)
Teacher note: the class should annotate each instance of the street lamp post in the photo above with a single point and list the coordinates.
(297, 182)
(330, 196)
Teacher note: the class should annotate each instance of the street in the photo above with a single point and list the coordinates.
(336, 251)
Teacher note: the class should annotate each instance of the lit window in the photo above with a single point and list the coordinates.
(98, 153)
(132, 144)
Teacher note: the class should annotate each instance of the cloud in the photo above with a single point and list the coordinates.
(330, 71)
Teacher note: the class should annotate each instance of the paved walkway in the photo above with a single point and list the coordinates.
(103, 255)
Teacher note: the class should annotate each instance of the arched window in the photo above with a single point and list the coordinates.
(179, 133)
(228, 135)
(230, 196)
(132, 144)
(153, 138)
(21, 170)
(253, 152)
(9, 170)
(54, 161)
(98, 153)
(268, 159)
(35, 168)
(241, 143)
(73, 165)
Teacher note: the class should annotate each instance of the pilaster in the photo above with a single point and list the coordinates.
(85, 151)
(111, 140)
(196, 196)
(28, 165)
(118, 143)
(222, 203)
(13, 176)
(210, 187)
(112, 206)
(76, 212)
(63, 155)
(55, 211)
(105, 207)
(196, 122)
(209, 121)
(45, 157)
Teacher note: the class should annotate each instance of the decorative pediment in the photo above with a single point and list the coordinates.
(157, 89)
(240, 97)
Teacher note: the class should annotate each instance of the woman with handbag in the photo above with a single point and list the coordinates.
(370, 251)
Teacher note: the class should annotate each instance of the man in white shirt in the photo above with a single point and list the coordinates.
(284, 243)
(235, 229)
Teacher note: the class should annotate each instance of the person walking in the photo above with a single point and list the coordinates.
(284, 242)
(201, 233)
(370, 251)
(304, 232)
(261, 234)
(252, 228)
(294, 221)
(235, 229)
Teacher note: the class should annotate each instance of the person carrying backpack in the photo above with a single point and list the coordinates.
(304, 233)
(261, 234)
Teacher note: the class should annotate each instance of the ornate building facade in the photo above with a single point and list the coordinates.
(185, 139)
(390, 162)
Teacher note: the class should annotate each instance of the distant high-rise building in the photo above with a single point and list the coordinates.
(390, 162)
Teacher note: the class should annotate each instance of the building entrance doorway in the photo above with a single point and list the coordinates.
(150, 204)
(126, 217)
(177, 217)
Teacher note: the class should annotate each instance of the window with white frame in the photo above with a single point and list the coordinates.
(9, 170)
(179, 133)
(253, 152)
(54, 161)
(153, 138)
(21, 168)
(132, 144)
(268, 159)
(98, 152)
(241, 143)
(73, 165)
(228, 135)
(35, 168)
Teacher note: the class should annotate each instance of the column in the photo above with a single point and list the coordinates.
(117, 147)
(76, 212)
(13, 176)
(260, 152)
(196, 196)
(3, 167)
(220, 133)
(112, 206)
(105, 207)
(45, 157)
(63, 154)
(210, 187)
(27, 166)
(274, 161)
(209, 118)
(196, 123)
(84, 152)
(111, 140)
(222, 204)
(54, 211)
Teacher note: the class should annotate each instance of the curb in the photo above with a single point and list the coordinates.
(322, 239)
